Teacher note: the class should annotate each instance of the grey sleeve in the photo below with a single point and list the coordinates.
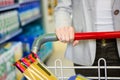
(63, 13)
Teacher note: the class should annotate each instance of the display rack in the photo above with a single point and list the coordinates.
(16, 6)
(9, 7)
(15, 33)
(29, 1)
(31, 20)
(10, 36)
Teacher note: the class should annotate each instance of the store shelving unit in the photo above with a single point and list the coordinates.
(15, 33)
(9, 32)
(31, 20)
(29, 1)
(20, 30)
(9, 7)
(37, 18)
(9, 36)
(16, 6)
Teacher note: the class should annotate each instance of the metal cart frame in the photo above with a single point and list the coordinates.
(99, 67)
(79, 36)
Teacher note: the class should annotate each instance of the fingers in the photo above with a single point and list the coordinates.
(71, 31)
(75, 42)
(65, 34)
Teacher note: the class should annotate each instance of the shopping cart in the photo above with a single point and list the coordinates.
(78, 36)
(59, 65)
(82, 36)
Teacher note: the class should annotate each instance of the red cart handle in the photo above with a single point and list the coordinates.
(78, 36)
(97, 35)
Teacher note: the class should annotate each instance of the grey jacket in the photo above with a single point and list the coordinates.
(80, 15)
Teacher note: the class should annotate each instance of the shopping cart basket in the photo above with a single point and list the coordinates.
(58, 64)
(27, 61)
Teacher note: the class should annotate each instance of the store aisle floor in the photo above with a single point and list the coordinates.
(58, 53)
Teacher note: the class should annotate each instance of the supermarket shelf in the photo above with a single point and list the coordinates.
(9, 7)
(30, 20)
(28, 1)
(9, 36)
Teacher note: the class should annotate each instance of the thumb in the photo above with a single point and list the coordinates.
(75, 42)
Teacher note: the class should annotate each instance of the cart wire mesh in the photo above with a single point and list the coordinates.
(59, 65)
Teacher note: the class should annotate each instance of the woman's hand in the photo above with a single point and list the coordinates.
(66, 35)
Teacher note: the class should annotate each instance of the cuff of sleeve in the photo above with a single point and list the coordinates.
(62, 19)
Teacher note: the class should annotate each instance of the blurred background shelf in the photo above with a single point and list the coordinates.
(31, 20)
(9, 7)
(28, 1)
(21, 22)
(10, 36)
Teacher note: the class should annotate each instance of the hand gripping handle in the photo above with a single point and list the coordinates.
(78, 36)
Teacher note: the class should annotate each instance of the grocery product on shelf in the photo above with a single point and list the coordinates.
(6, 25)
(29, 12)
(9, 53)
(4, 3)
